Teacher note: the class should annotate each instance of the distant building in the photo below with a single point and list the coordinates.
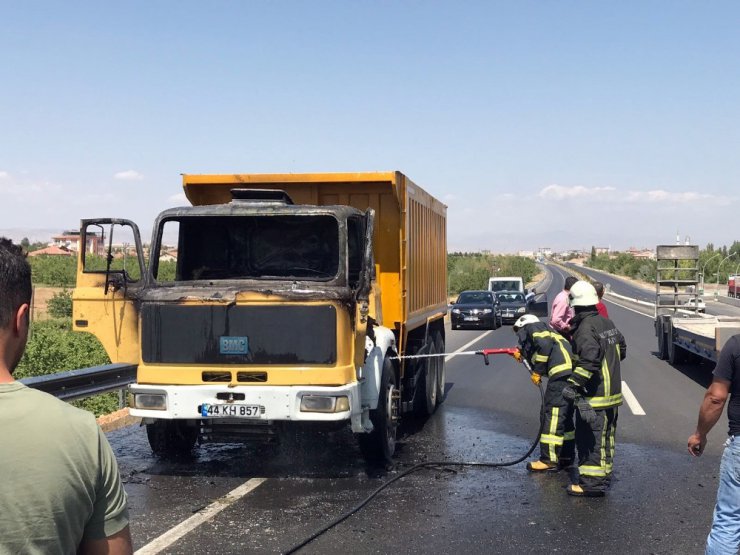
(572, 253)
(526, 254)
(52, 250)
(544, 251)
(644, 254)
(70, 240)
(602, 250)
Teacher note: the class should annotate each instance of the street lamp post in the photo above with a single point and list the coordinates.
(716, 291)
(704, 268)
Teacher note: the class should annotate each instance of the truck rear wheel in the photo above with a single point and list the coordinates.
(171, 438)
(379, 445)
(676, 353)
(439, 344)
(425, 394)
(662, 334)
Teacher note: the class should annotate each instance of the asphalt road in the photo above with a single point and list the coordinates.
(628, 289)
(661, 499)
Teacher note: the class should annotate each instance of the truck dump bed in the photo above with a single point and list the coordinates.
(409, 236)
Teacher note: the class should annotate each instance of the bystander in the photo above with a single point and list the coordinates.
(60, 490)
(724, 537)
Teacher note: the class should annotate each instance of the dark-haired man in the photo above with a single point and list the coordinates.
(60, 491)
(561, 313)
(724, 537)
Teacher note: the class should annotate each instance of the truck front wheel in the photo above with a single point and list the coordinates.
(171, 438)
(379, 445)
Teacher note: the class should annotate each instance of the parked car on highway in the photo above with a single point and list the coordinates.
(513, 304)
(476, 309)
(697, 303)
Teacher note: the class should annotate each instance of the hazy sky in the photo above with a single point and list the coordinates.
(561, 124)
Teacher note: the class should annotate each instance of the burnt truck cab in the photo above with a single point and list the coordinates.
(248, 314)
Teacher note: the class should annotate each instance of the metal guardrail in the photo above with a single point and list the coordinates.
(78, 384)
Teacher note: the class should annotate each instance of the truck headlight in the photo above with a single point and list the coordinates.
(324, 403)
(521, 310)
(486, 311)
(456, 311)
(148, 401)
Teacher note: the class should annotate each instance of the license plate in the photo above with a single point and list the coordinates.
(231, 410)
(471, 318)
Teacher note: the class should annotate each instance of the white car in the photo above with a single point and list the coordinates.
(697, 303)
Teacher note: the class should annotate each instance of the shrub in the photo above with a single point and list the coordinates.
(60, 305)
(53, 347)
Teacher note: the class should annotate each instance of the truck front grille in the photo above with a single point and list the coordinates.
(238, 334)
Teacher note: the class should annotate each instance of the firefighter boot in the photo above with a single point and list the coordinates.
(577, 491)
(542, 466)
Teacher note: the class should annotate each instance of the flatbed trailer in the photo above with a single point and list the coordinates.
(684, 334)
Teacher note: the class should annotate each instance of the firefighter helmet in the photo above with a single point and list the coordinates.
(524, 320)
(583, 294)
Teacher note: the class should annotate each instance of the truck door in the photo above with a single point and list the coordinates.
(110, 273)
(364, 286)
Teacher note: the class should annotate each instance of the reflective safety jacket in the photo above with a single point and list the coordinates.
(599, 347)
(548, 352)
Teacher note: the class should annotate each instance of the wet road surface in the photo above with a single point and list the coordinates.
(661, 498)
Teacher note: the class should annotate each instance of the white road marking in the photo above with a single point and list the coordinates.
(173, 534)
(464, 347)
(631, 400)
(628, 308)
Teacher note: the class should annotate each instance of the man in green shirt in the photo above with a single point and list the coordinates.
(60, 490)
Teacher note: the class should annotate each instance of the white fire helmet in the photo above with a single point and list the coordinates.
(583, 294)
(524, 320)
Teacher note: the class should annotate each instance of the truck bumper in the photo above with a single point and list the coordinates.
(278, 402)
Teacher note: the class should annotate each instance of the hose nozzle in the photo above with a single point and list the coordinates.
(511, 351)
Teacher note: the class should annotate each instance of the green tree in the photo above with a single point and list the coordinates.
(472, 270)
(53, 271)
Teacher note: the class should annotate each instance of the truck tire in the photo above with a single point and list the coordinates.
(676, 353)
(662, 334)
(425, 395)
(439, 344)
(171, 438)
(379, 445)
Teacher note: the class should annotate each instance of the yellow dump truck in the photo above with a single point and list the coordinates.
(274, 300)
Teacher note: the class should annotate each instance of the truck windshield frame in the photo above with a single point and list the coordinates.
(272, 247)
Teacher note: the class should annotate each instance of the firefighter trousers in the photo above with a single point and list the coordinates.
(557, 442)
(595, 444)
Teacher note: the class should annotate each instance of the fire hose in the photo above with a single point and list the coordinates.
(485, 353)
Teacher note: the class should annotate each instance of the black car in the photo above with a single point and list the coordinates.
(476, 309)
(513, 305)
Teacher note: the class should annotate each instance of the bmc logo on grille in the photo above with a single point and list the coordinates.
(233, 345)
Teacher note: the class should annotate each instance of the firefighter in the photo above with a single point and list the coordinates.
(596, 389)
(549, 354)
